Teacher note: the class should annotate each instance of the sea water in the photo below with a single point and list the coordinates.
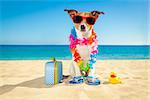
(45, 52)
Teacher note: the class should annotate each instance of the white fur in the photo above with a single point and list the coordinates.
(84, 52)
(85, 34)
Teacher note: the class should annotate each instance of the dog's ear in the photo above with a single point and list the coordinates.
(96, 13)
(71, 11)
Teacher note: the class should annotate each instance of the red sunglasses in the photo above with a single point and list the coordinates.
(79, 19)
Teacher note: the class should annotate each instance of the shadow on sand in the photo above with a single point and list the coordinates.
(34, 83)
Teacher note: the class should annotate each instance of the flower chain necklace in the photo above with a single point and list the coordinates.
(92, 41)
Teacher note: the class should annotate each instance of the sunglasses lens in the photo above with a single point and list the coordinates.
(77, 19)
(90, 20)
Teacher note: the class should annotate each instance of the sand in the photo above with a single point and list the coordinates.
(24, 80)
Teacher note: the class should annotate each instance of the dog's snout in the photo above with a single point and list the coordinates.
(82, 27)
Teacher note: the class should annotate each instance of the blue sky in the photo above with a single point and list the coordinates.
(44, 22)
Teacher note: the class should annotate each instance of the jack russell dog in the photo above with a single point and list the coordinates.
(84, 46)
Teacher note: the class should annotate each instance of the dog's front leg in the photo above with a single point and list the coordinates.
(92, 71)
(74, 69)
(76, 77)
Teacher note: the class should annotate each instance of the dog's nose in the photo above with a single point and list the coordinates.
(82, 27)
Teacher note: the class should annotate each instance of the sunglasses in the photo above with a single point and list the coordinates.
(78, 19)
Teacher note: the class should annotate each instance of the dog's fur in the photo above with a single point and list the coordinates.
(83, 50)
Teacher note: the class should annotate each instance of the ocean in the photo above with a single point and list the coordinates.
(62, 52)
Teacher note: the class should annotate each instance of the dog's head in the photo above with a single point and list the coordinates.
(83, 21)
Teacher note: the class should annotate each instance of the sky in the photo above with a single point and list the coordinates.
(44, 22)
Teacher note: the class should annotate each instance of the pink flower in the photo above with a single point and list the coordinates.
(95, 51)
(85, 41)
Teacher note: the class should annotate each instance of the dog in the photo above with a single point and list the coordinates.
(83, 42)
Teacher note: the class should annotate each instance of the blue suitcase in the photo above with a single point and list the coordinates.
(53, 72)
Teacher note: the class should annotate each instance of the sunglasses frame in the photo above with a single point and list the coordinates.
(84, 18)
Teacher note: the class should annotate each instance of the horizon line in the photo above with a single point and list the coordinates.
(68, 44)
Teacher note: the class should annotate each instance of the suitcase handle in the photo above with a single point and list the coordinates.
(53, 59)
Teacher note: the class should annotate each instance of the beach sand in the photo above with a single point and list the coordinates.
(24, 80)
